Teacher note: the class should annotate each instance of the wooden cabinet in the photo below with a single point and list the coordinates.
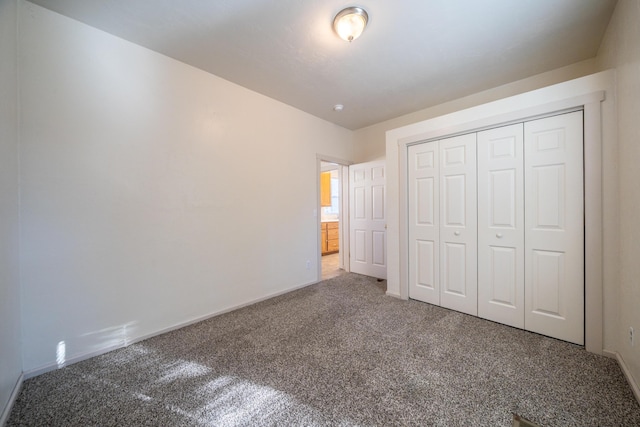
(325, 189)
(330, 237)
(323, 238)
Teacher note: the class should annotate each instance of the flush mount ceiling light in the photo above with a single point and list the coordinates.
(349, 23)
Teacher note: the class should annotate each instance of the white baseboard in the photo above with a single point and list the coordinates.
(627, 374)
(393, 294)
(80, 357)
(12, 400)
(609, 354)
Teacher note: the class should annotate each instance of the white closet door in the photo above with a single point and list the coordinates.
(458, 224)
(554, 248)
(423, 222)
(501, 225)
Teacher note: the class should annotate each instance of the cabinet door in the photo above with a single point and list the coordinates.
(325, 189)
(501, 225)
(554, 227)
(323, 238)
(458, 224)
(423, 184)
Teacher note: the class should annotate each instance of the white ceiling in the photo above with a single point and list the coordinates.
(414, 53)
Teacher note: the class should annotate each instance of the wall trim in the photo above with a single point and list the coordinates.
(635, 388)
(79, 358)
(12, 400)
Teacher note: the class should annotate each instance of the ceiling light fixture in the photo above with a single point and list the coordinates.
(349, 23)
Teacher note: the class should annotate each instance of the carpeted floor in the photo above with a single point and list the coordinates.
(336, 353)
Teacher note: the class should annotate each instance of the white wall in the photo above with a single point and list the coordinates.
(10, 352)
(153, 193)
(370, 141)
(483, 116)
(620, 49)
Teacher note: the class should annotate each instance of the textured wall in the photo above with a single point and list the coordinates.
(370, 141)
(153, 193)
(10, 351)
(620, 50)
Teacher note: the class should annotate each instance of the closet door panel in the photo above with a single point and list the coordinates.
(501, 225)
(423, 197)
(554, 251)
(458, 224)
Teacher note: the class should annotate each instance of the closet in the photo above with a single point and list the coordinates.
(496, 224)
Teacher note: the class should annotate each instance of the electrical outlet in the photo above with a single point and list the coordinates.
(631, 337)
(308, 264)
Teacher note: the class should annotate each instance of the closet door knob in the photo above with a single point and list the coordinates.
(457, 233)
(499, 235)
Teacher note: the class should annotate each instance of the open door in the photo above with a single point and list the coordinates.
(367, 218)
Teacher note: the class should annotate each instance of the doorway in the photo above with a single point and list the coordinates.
(331, 219)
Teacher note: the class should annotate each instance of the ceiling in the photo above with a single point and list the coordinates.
(413, 54)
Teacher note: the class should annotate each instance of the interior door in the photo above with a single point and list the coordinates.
(458, 224)
(554, 222)
(367, 219)
(501, 225)
(424, 223)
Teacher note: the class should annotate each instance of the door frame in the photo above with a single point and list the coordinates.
(343, 217)
(491, 116)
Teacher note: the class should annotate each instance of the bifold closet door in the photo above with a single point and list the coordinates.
(458, 224)
(554, 227)
(501, 225)
(423, 187)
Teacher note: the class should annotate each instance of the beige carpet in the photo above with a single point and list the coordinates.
(338, 353)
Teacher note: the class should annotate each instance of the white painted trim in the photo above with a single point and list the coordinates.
(538, 103)
(610, 354)
(79, 358)
(344, 218)
(629, 377)
(12, 400)
(593, 228)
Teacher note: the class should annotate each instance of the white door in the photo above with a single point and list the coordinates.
(367, 218)
(424, 228)
(501, 225)
(554, 222)
(458, 224)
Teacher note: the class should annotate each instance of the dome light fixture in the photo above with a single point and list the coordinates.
(349, 23)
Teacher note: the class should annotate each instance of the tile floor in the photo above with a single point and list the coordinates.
(330, 266)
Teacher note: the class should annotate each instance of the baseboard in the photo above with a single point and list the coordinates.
(393, 294)
(12, 400)
(75, 359)
(79, 358)
(627, 374)
(610, 354)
